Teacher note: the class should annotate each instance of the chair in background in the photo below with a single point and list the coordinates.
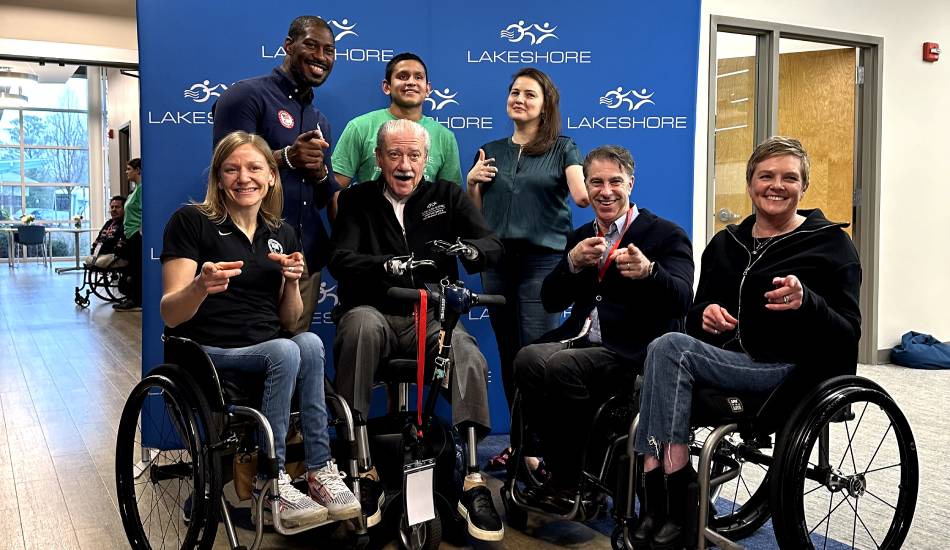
(32, 235)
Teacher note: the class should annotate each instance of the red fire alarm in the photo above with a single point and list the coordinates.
(931, 51)
(111, 133)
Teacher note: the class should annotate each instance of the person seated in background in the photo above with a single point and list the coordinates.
(230, 274)
(628, 278)
(379, 224)
(103, 248)
(777, 297)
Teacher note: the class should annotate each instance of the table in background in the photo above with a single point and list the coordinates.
(76, 232)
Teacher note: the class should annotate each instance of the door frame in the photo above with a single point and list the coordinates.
(867, 150)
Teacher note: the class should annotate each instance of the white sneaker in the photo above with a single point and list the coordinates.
(296, 508)
(328, 489)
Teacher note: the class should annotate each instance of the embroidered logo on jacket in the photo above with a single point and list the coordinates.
(286, 119)
(274, 246)
(432, 210)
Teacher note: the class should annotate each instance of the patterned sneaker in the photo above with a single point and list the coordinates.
(327, 489)
(296, 508)
(477, 508)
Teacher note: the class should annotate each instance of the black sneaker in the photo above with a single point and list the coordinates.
(477, 508)
(371, 500)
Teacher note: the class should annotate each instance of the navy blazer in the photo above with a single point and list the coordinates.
(631, 312)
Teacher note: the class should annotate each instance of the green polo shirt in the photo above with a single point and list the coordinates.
(355, 152)
(133, 212)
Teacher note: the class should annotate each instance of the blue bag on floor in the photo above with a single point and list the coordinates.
(921, 351)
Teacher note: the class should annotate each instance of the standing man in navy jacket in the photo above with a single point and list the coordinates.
(629, 279)
(279, 107)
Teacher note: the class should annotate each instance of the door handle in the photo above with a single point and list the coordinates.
(725, 215)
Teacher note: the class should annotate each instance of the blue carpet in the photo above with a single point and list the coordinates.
(763, 539)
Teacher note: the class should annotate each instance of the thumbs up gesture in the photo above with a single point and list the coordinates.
(483, 171)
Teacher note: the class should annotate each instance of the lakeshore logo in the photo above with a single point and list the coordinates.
(632, 100)
(201, 91)
(516, 32)
(344, 29)
(446, 98)
(614, 99)
(530, 35)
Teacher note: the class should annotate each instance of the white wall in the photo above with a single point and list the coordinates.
(914, 270)
(70, 27)
(123, 108)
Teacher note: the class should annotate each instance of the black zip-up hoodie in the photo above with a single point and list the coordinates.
(366, 234)
(822, 335)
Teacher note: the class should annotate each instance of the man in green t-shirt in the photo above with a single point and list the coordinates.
(407, 85)
(131, 248)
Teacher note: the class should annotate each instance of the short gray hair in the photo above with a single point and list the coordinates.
(777, 146)
(401, 125)
(612, 153)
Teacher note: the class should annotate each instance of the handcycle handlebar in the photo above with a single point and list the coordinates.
(412, 295)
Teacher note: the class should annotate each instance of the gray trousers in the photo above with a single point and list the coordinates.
(364, 337)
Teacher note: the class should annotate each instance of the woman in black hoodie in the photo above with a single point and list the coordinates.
(777, 293)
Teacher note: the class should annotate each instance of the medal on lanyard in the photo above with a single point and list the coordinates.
(607, 262)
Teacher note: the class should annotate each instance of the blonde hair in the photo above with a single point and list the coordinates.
(214, 206)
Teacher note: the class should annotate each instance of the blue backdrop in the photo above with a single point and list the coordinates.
(626, 71)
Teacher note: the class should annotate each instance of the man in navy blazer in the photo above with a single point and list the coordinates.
(629, 277)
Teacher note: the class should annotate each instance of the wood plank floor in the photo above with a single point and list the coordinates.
(65, 374)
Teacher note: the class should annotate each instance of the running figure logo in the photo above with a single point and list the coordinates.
(445, 97)
(535, 33)
(344, 27)
(201, 92)
(327, 293)
(615, 98)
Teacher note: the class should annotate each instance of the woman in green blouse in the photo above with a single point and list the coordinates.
(522, 184)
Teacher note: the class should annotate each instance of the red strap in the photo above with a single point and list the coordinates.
(609, 260)
(421, 309)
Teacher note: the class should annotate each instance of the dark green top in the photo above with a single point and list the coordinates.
(528, 198)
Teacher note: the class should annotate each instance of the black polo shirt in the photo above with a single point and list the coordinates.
(246, 313)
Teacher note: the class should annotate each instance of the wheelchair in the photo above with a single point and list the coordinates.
(418, 439)
(177, 434)
(103, 281)
(841, 467)
(603, 464)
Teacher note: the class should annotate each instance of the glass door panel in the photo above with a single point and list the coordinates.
(817, 90)
(735, 125)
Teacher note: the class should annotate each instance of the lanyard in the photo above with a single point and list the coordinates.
(607, 262)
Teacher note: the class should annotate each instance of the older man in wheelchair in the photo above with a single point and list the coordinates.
(383, 239)
(230, 269)
(628, 279)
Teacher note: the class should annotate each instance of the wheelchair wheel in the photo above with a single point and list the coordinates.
(423, 536)
(740, 506)
(164, 504)
(848, 472)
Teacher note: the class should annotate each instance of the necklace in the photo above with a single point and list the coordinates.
(759, 244)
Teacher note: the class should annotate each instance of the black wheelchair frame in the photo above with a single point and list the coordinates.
(741, 436)
(185, 478)
(103, 282)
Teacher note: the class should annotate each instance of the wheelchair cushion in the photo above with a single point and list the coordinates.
(397, 371)
(242, 388)
(714, 406)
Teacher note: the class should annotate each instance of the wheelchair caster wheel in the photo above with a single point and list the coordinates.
(422, 536)
(616, 539)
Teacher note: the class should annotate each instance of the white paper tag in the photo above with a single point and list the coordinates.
(418, 493)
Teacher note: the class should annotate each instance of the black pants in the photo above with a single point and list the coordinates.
(132, 252)
(561, 388)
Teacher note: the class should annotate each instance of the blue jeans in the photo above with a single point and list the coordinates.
(523, 319)
(674, 363)
(287, 363)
